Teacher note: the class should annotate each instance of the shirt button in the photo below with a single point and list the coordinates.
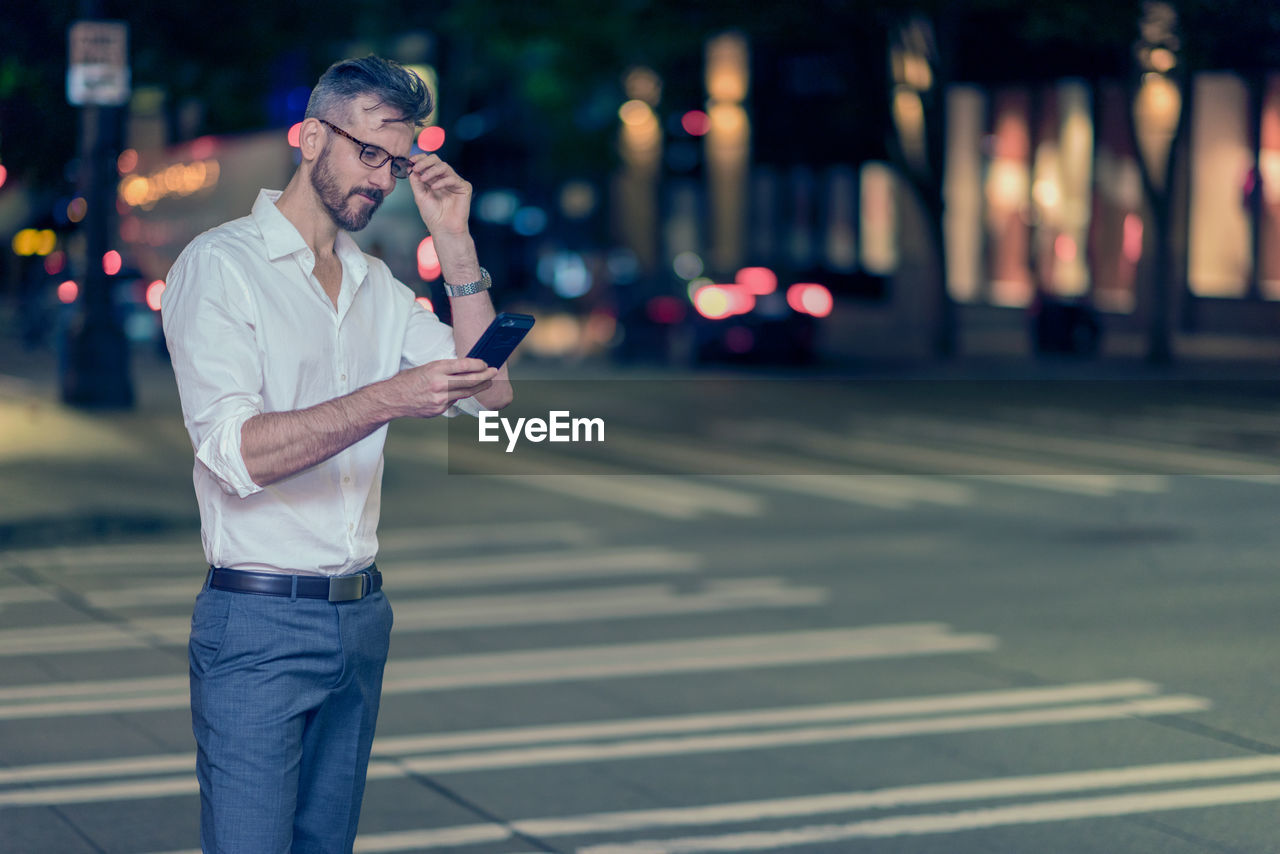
(346, 480)
(343, 378)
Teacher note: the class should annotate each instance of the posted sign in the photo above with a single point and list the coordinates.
(98, 71)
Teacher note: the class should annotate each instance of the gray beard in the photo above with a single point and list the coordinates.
(335, 201)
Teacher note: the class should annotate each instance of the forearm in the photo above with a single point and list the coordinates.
(278, 444)
(471, 314)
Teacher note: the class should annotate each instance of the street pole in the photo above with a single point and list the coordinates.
(94, 364)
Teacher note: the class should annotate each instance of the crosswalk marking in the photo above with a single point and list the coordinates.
(440, 573)
(658, 495)
(443, 613)
(539, 666)
(781, 809)
(386, 746)
(171, 558)
(1082, 449)
(1109, 806)
(643, 737)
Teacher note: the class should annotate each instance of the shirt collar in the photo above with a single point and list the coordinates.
(279, 235)
(282, 237)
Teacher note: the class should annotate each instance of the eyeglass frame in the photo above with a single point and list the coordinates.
(405, 164)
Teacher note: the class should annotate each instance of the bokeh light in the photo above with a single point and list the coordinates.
(695, 123)
(431, 138)
(155, 291)
(428, 260)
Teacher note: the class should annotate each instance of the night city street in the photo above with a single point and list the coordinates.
(893, 464)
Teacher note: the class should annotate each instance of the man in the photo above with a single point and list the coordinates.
(292, 351)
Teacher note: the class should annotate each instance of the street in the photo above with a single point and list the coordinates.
(969, 633)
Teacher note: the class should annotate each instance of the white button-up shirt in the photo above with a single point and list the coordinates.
(250, 330)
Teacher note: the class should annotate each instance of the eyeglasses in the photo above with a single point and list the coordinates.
(373, 156)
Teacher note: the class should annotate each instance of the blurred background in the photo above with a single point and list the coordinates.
(681, 184)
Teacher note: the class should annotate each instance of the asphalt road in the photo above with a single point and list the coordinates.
(859, 626)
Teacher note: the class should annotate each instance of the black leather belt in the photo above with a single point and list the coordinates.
(337, 588)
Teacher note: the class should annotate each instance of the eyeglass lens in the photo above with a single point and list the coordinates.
(373, 156)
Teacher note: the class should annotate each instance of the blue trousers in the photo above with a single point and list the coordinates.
(284, 698)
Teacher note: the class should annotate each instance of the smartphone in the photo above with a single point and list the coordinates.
(502, 336)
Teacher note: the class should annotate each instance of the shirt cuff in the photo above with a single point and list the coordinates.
(220, 454)
(468, 405)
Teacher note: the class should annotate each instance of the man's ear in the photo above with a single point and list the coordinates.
(311, 138)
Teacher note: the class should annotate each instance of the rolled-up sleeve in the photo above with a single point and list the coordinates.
(209, 320)
(428, 339)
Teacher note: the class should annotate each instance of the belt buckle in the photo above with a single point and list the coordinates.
(347, 588)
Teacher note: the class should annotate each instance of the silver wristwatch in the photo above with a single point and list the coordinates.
(481, 284)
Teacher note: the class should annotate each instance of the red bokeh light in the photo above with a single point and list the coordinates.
(428, 260)
(112, 262)
(154, 291)
(809, 298)
(426, 303)
(67, 292)
(431, 138)
(757, 280)
(295, 135)
(695, 123)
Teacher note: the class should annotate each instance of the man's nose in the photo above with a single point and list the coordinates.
(383, 179)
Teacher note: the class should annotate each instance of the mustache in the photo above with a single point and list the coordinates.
(372, 193)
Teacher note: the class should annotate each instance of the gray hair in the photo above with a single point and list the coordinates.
(390, 82)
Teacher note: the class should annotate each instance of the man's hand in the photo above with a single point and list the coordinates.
(443, 198)
(429, 390)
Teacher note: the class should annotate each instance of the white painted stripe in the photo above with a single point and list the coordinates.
(407, 745)
(809, 736)
(825, 804)
(528, 667)
(170, 557)
(668, 657)
(455, 612)
(805, 475)
(440, 537)
(658, 495)
(404, 575)
(764, 718)
(109, 558)
(1159, 455)
(540, 756)
(89, 793)
(1109, 806)
(26, 595)
(889, 491)
(1101, 485)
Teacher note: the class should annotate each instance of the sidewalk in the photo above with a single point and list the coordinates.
(68, 474)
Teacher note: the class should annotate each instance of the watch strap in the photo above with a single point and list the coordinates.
(481, 284)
